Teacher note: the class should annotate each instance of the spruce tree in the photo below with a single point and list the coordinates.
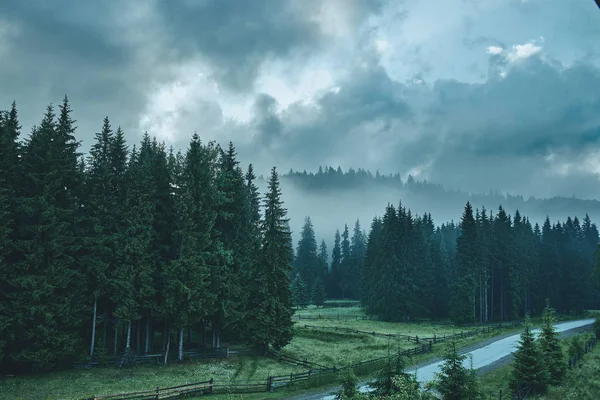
(554, 358)
(307, 260)
(463, 288)
(234, 228)
(45, 277)
(9, 176)
(333, 287)
(270, 320)
(351, 276)
(345, 264)
(318, 292)
(529, 375)
(323, 261)
(300, 291)
(455, 381)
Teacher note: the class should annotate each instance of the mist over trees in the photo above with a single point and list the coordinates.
(140, 248)
(130, 248)
(354, 190)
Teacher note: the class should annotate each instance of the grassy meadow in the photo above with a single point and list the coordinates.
(322, 347)
(581, 382)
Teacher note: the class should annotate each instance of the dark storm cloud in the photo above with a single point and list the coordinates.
(266, 122)
(476, 136)
(237, 36)
(537, 108)
(65, 47)
(338, 124)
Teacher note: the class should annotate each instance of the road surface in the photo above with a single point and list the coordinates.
(491, 353)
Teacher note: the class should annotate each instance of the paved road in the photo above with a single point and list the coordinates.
(493, 352)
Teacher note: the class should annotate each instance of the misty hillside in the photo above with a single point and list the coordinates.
(333, 197)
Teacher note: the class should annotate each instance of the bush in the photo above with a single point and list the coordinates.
(576, 347)
(597, 328)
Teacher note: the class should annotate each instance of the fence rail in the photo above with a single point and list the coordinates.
(294, 361)
(332, 317)
(416, 339)
(587, 347)
(270, 384)
(158, 358)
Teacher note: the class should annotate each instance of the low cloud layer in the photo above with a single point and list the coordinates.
(473, 95)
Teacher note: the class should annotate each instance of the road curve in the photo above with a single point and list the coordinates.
(483, 356)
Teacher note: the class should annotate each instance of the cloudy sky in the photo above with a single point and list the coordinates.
(475, 94)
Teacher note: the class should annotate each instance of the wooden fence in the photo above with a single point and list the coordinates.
(158, 358)
(333, 317)
(274, 382)
(317, 374)
(416, 339)
(587, 347)
(294, 361)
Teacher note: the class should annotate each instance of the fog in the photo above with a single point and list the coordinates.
(331, 209)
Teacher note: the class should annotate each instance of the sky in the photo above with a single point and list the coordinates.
(471, 94)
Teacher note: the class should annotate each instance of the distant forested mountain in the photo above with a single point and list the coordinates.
(423, 196)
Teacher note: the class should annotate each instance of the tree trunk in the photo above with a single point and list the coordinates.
(501, 299)
(480, 298)
(93, 328)
(147, 348)
(167, 346)
(128, 343)
(105, 328)
(165, 332)
(473, 307)
(137, 336)
(116, 334)
(486, 300)
(180, 349)
(492, 296)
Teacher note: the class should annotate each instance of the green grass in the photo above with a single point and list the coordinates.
(581, 382)
(75, 384)
(340, 349)
(323, 347)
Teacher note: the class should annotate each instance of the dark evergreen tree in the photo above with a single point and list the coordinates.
(300, 291)
(333, 288)
(307, 260)
(351, 275)
(463, 294)
(9, 192)
(318, 292)
(345, 263)
(370, 272)
(44, 276)
(323, 261)
(270, 318)
(529, 376)
(455, 382)
(554, 359)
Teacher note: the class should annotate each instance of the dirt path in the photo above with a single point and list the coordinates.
(322, 392)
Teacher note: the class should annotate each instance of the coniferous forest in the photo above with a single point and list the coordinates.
(102, 252)
(137, 247)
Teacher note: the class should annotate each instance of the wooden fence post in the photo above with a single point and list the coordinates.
(210, 387)
(157, 392)
(500, 397)
(269, 383)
